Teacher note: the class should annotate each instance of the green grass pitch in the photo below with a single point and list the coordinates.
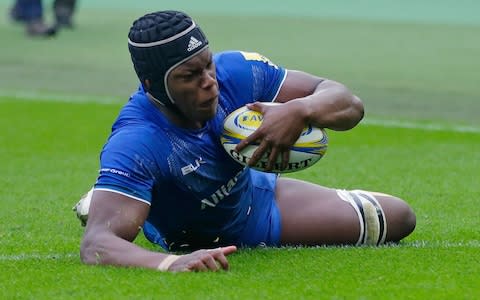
(420, 140)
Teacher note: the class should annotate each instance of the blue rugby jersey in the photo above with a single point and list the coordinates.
(199, 196)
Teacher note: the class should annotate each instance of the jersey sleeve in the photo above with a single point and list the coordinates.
(249, 76)
(126, 166)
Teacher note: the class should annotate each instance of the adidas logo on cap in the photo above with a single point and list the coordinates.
(193, 44)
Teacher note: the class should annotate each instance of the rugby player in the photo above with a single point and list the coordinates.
(163, 168)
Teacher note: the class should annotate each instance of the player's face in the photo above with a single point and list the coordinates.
(193, 85)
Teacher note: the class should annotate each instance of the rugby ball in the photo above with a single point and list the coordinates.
(308, 149)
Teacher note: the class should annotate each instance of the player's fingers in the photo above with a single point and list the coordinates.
(228, 250)
(285, 159)
(256, 106)
(257, 155)
(220, 255)
(198, 266)
(210, 262)
(225, 250)
(222, 261)
(256, 135)
(272, 159)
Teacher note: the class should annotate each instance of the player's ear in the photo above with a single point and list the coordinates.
(147, 84)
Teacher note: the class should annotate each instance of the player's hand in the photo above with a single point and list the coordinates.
(203, 260)
(280, 129)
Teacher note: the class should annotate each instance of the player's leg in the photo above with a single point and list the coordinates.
(17, 14)
(63, 11)
(31, 12)
(315, 215)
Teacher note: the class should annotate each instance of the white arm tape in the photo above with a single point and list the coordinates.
(167, 262)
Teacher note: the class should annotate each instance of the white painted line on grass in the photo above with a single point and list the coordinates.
(421, 126)
(34, 96)
(37, 256)
(442, 244)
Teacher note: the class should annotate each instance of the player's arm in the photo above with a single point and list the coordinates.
(322, 102)
(307, 99)
(113, 223)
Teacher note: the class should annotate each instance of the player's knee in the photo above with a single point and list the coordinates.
(87, 255)
(401, 218)
(383, 218)
(404, 221)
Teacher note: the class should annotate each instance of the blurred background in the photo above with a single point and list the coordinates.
(408, 60)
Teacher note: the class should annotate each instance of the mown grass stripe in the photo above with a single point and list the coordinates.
(37, 256)
(421, 126)
(64, 98)
(37, 97)
(473, 244)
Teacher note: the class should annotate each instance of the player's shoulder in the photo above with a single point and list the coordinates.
(137, 138)
(225, 56)
(237, 56)
(240, 66)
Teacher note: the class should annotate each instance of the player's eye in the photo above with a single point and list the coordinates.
(188, 76)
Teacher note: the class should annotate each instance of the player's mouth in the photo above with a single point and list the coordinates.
(209, 103)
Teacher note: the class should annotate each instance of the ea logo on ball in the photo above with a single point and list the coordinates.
(248, 120)
(309, 148)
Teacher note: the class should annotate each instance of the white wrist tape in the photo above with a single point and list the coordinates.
(167, 262)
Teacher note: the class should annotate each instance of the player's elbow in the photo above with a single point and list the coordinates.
(87, 251)
(350, 116)
(355, 113)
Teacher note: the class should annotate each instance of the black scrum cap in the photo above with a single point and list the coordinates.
(160, 41)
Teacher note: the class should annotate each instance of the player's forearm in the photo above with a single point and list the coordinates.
(332, 106)
(108, 249)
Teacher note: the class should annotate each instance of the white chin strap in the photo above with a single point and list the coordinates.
(373, 225)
